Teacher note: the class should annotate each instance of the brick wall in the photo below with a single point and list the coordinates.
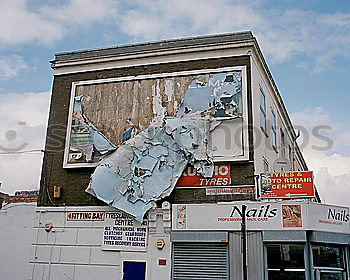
(75, 180)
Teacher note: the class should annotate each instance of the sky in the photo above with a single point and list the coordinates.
(305, 43)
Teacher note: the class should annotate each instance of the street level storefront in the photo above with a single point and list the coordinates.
(295, 241)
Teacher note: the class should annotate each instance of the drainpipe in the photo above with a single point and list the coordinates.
(244, 242)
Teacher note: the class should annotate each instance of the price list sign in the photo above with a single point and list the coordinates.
(122, 232)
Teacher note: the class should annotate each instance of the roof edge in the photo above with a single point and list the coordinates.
(154, 46)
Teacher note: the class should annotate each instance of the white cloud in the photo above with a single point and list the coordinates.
(18, 25)
(331, 164)
(80, 11)
(335, 189)
(47, 24)
(321, 133)
(281, 33)
(23, 128)
(151, 20)
(11, 65)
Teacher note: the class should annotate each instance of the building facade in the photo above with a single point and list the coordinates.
(152, 170)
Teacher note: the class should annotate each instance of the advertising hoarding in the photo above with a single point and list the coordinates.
(221, 177)
(287, 185)
(95, 128)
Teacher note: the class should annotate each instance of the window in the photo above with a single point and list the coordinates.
(283, 143)
(328, 262)
(285, 261)
(262, 111)
(273, 130)
(265, 165)
(290, 152)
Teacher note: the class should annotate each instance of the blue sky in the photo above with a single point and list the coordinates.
(306, 45)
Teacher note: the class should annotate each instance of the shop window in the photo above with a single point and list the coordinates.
(262, 111)
(285, 261)
(328, 262)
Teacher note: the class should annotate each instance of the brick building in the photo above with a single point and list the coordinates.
(153, 159)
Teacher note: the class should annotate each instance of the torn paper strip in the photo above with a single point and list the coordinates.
(85, 138)
(219, 94)
(146, 168)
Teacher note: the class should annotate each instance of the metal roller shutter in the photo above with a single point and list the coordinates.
(207, 261)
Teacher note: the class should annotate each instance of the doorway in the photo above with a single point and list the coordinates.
(134, 270)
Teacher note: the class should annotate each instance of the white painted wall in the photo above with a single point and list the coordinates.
(73, 249)
(263, 142)
(16, 235)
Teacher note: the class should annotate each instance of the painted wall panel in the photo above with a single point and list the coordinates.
(39, 271)
(255, 256)
(84, 251)
(86, 272)
(61, 271)
(16, 235)
(99, 257)
(75, 255)
(47, 253)
(235, 255)
(66, 236)
(89, 236)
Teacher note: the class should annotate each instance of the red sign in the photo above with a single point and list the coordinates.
(221, 177)
(287, 185)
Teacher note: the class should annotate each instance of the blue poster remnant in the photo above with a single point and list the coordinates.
(147, 166)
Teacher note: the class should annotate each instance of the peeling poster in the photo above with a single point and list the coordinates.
(143, 133)
(103, 115)
(146, 168)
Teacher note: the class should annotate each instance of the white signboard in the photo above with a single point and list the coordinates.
(261, 216)
(86, 216)
(229, 190)
(121, 232)
(329, 218)
(229, 216)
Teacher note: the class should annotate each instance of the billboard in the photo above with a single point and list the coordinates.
(287, 185)
(105, 113)
(221, 177)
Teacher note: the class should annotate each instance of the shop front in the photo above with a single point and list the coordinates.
(298, 240)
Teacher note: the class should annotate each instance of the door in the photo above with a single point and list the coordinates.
(133, 270)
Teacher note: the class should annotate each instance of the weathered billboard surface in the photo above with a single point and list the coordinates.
(141, 132)
(104, 114)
